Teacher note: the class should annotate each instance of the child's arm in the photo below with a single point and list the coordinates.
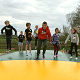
(25, 36)
(2, 30)
(33, 36)
(49, 35)
(18, 39)
(67, 38)
(14, 30)
(77, 40)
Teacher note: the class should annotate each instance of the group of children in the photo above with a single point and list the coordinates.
(41, 35)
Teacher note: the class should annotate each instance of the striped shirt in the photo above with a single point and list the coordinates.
(55, 39)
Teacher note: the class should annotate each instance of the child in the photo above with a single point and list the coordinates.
(43, 32)
(36, 35)
(55, 42)
(69, 52)
(74, 40)
(28, 38)
(8, 32)
(20, 40)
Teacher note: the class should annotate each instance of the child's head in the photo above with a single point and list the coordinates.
(67, 51)
(21, 32)
(44, 25)
(28, 25)
(7, 23)
(56, 30)
(36, 26)
(73, 31)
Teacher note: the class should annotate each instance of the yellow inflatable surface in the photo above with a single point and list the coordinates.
(39, 70)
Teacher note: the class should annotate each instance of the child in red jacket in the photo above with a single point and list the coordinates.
(43, 32)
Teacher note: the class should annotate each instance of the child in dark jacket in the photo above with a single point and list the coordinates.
(8, 32)
(43, 32)
(55, 42)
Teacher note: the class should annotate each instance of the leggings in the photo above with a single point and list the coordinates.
(8, 40)
(74, 44)
(56, 49)
(36, 41)
(39, 46)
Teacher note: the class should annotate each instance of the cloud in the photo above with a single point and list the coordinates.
(18, 12)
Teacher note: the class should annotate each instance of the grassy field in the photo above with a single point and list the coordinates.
(3, 45)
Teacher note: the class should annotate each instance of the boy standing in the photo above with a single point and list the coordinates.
(36, 35)
(43, 32)
(20, 40)
(28, 38)
(8, 32)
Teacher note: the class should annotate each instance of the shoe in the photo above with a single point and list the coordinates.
(26, 54)
(37, 58)
(76, 58)
(71, 57)
(35, 47)
(7, 51)
(43, 57)
(57, 56)
(30, 53)
(54, 55)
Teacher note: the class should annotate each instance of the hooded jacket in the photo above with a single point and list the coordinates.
(43, 33)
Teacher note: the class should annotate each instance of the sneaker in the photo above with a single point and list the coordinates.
(35, 47)
(76, 58)
(54, 55)
(26, 54)
(30, 53)
(57, 56)
(43, 57)
(71, 57)
(37, 58)
(7, 51)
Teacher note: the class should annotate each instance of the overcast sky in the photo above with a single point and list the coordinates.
(19, 12)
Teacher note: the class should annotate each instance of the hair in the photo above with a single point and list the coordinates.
(44, 23)
(6, 22)
(21, 31)
(74, 30)
(58, 30)
(36, 26)
(27, 24)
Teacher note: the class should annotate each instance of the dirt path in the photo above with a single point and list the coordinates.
(2, 53)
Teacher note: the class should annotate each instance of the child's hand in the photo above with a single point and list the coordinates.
(34, 38)
(25, 39)
(49, 42)
(64, 43)
(77, 44)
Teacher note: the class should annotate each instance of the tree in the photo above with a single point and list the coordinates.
(73, 18)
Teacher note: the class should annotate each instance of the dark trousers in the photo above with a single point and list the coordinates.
(74, 44)
(56, 49)
(39, 46)
(8, 40)
(36, 41)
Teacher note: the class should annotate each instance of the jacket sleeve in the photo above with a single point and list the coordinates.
(49, 35)
(77, 39)
(38, 32)
(14, 30)
(2, 29)
(67, 38)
